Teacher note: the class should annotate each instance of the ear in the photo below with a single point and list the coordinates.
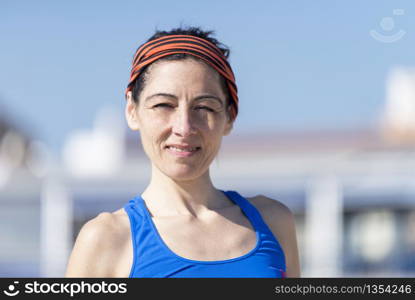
(131, 112)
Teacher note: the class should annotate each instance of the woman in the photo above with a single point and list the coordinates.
(182, 98)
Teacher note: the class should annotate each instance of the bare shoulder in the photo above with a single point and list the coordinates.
(105, 228)
(276, 215)
(99, 247)
(281, 222)
(271, 207)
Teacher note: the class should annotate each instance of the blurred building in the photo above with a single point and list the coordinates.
(352, 192)
(398, 120)
(19, 199)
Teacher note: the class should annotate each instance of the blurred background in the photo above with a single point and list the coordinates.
(326, 123)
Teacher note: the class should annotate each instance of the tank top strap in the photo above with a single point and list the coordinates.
(268, 239)
(249, 210)
(145, 244)
(135, 210)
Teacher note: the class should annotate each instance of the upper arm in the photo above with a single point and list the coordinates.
(281, 221)
(95, 249)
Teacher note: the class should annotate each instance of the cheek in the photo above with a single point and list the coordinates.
(152, 136)
(215, 124)
(151, 124)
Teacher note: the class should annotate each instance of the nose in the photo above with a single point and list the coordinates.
(183, 124)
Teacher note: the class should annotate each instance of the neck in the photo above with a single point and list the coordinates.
(166, 196)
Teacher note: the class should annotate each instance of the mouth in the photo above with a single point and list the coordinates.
(182, 151)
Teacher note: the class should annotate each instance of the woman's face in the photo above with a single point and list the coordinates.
(182, 116)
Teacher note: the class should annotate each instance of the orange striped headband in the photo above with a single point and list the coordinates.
(188, 44)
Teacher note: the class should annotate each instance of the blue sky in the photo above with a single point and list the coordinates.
(298, 64)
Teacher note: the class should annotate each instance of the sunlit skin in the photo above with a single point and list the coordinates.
(182, 102)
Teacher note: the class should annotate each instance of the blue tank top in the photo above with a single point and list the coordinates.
(153, 258)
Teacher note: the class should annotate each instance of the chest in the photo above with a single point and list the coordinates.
(217, 236)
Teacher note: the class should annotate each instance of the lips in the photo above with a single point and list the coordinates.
(181, 150)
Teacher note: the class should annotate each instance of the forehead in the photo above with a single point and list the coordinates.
(189, 72)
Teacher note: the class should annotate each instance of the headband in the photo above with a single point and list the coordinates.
(188, 44)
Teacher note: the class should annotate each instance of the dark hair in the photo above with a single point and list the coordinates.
(194, 31)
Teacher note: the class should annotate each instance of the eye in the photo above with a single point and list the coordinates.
(165, 105)
(204, 108)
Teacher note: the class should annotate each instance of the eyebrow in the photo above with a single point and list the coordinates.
(201, 97)
(160, 95)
